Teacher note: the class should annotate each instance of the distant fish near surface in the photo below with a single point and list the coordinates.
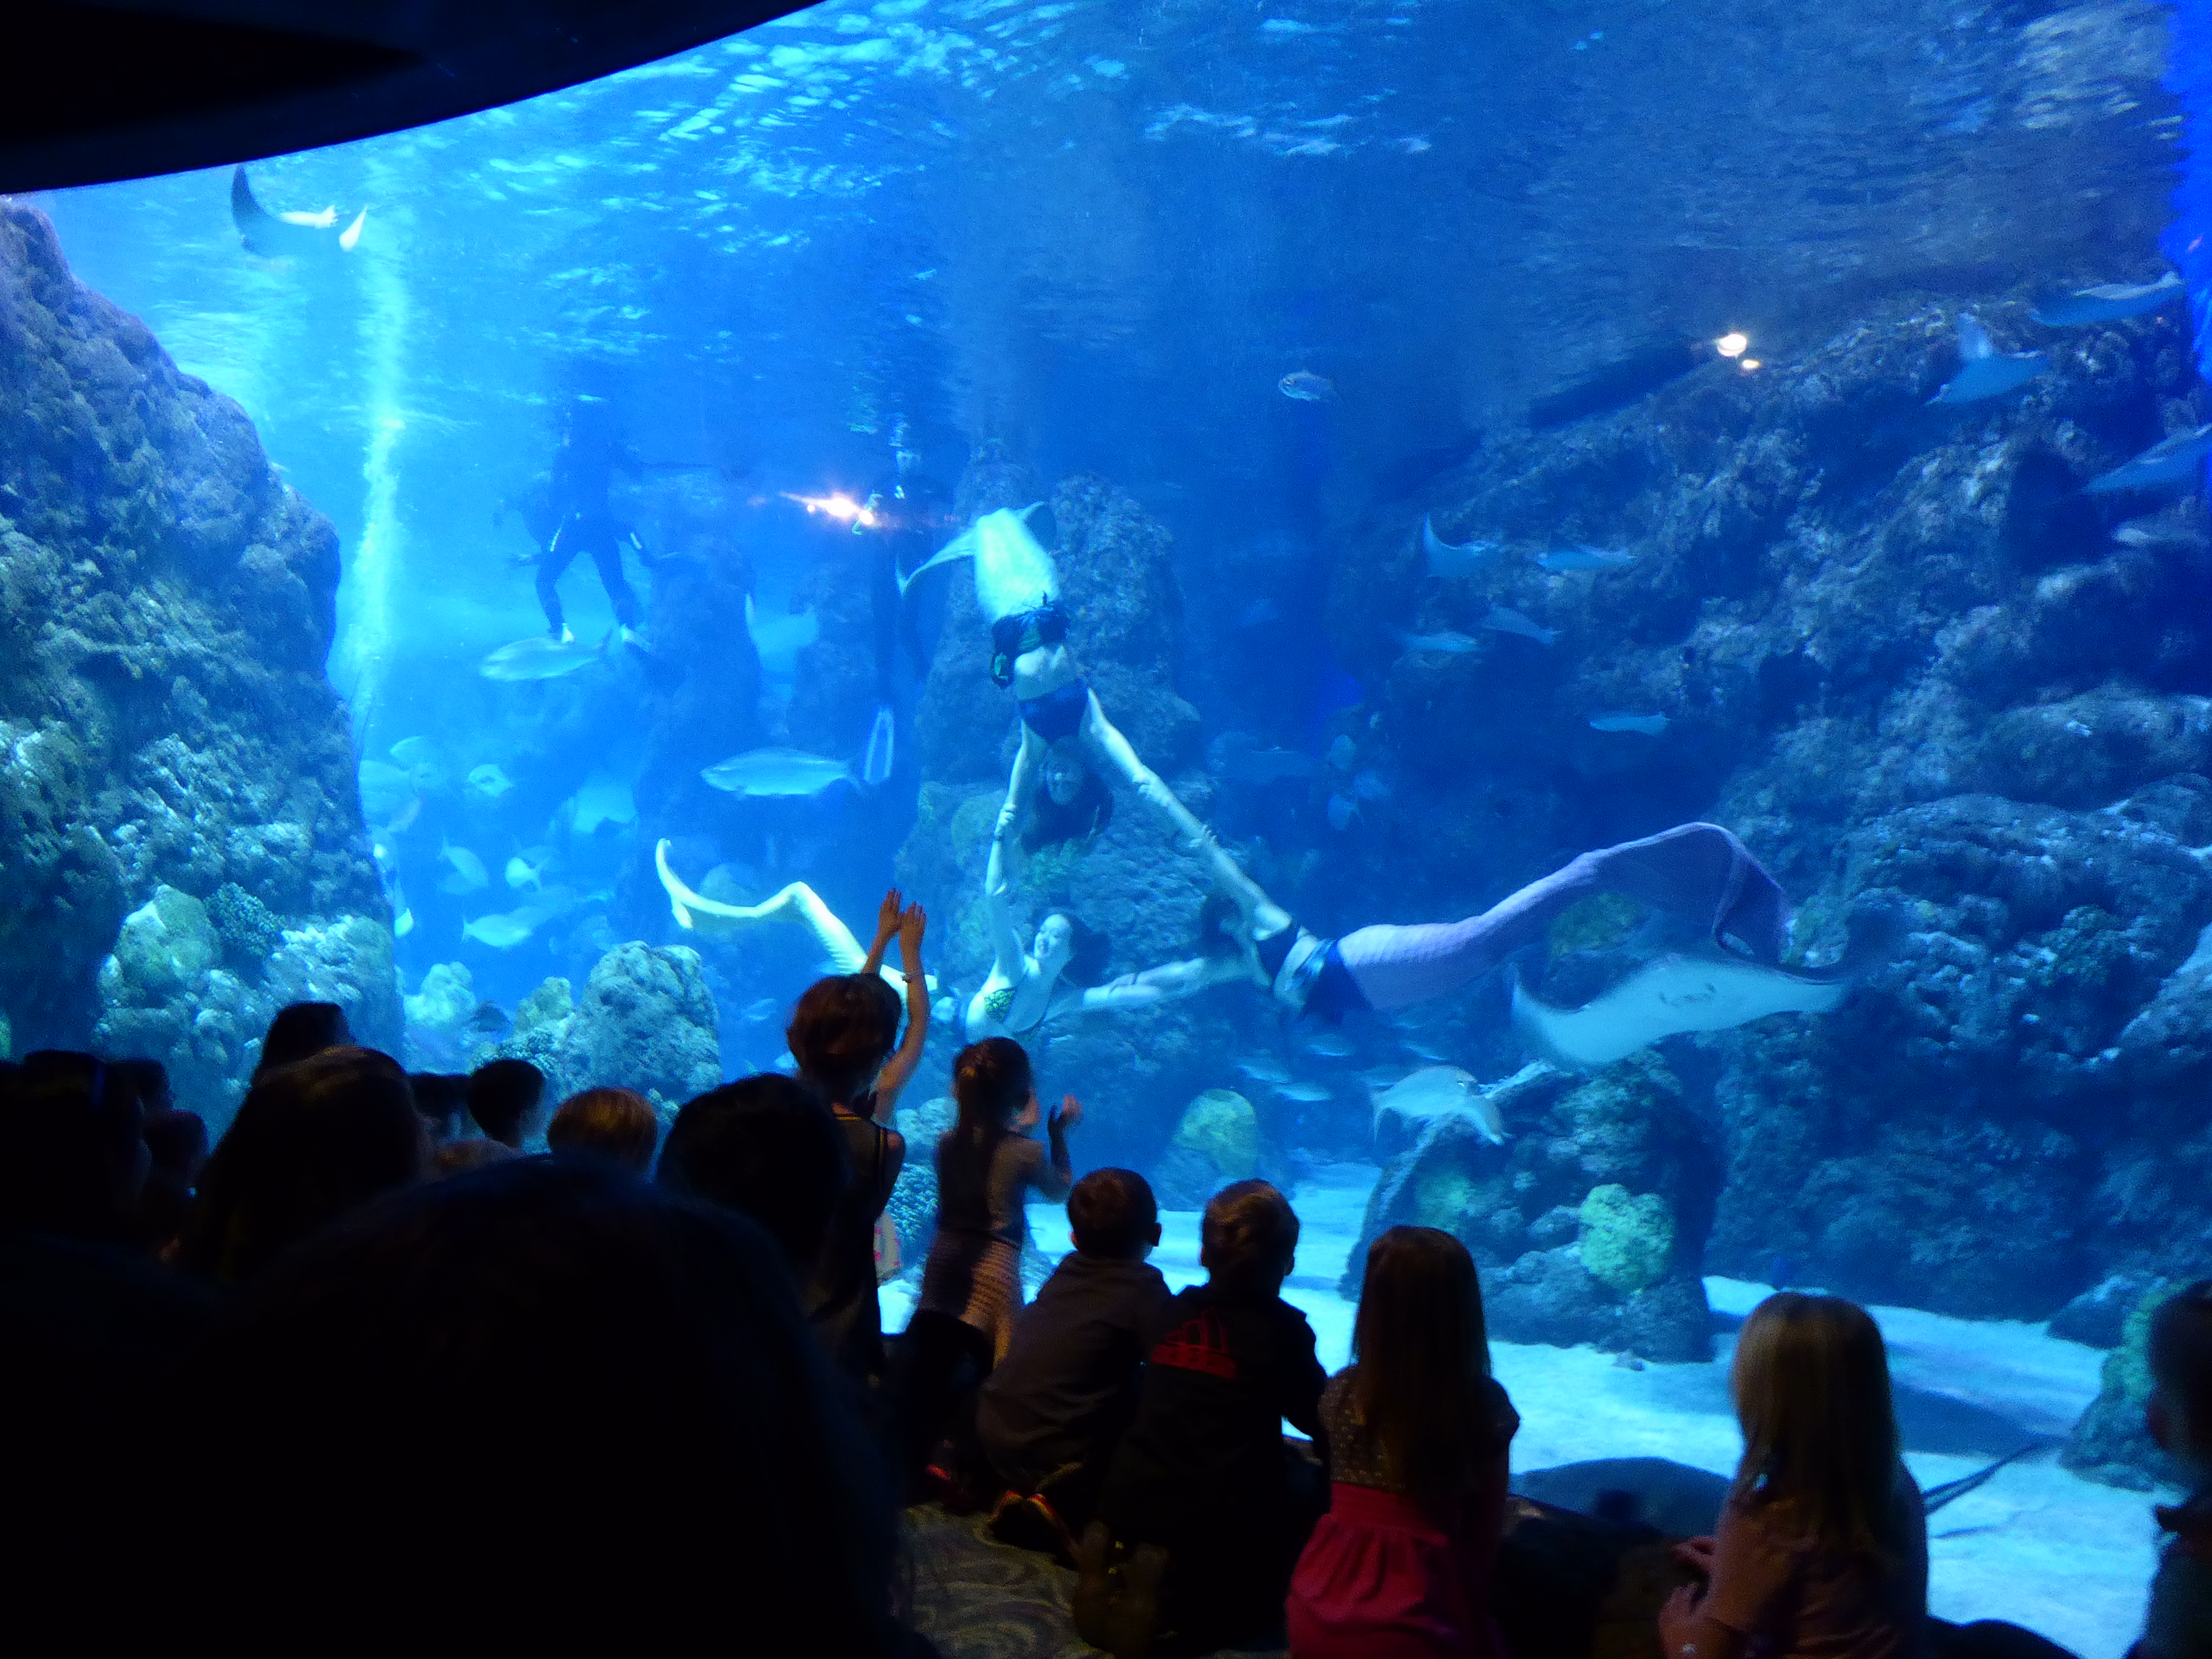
(1340, 811)
(760, 1013)
(2107, 302)
(1503, 621)
(1585, 558)
(275, 235)
(1329, 1046)
(1370, 785)
(1449, 560)
(1706, 990)
(2173, 460)
(1300, 386)
(2160, 531)
(881, 754)
(520, 873)
(469, 872)
(789, 773)
(1650, 725)
(540, 657)
(1450, 643)
(1261, 1069)
(1306, 1094)
(1441, 1091)
(489, 780)
(500, 932)
(1984, 371)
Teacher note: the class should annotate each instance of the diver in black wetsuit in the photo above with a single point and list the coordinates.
(584, 469)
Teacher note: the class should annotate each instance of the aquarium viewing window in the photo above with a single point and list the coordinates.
(1589, 628)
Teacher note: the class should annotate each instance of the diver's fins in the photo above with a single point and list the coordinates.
(876, 765)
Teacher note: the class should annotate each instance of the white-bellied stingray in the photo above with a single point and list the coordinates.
(1703, 988)
(1444, 1091)
(1448, 560)
(275, 235)
(1984, 371)
(2173, 460)
(2107, 302)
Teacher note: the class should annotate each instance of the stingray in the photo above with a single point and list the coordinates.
(1704, 988)
(1984, 371)
(2107, 302)
(273, 235)
(1437, 1092)
(2171, 460)
(1445, 559)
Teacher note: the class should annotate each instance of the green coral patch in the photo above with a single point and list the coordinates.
(1221, 1127)
(1626, 1238)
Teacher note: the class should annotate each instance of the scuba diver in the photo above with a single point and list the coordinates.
(583, 521)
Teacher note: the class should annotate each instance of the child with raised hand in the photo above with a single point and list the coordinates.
(1822, 1546)
(971, 1286)
(1211, 1505)
(1418, 1433)
(843, 1034)
(2179, 1623)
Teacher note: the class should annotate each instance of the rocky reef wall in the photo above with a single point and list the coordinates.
(1899, 650)
(180, 822)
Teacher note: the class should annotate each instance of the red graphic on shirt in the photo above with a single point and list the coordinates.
(1200, 1345)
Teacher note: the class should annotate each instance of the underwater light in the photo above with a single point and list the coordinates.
(1746, 364)
(1732, 343)
(838, 506)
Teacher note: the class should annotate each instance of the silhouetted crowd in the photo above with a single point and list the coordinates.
(370, 1371)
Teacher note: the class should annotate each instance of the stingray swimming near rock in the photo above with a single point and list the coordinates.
(1450, 560)
(1702, 987)
(277, 235)
(1444, 1091)
(1984, 371)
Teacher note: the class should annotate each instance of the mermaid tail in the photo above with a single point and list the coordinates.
(1698, 871)
(844, 951)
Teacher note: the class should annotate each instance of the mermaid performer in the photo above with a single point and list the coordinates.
(839, 946)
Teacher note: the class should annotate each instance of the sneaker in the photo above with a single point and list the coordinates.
(1029, 1523)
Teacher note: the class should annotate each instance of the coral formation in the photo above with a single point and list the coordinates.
(166, 728)
(645, 1021)
(1627, 1238)
(1218, 1141)
(2110, 1443)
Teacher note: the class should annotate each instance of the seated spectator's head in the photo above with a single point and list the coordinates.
(1113, 1213)
(73, 1153)
(149, 1078)
(452, 1157)
(504, 1096)
(993, 1087)
(442, 1097)
(618, 1125)
(2180, 1409)
(299, 1029)
(1249, 1238)
(176, 1144)
(841, 1032)
(764, 1147)
(1811, 1382)
(310, 1143)
(672, 1453)
(1422, 1351)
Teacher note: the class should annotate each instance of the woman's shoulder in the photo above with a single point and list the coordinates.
(1497, 1409)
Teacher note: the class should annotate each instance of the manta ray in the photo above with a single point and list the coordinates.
(1703, 988)
(275, 235)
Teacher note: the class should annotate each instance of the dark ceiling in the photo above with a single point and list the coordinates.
(100, 91)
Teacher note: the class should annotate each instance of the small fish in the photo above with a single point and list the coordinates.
(2171, 460)
(1368, 785)
(758, 1013)
(1422, 1050)
(1650, 725)
(1329, 1046)
(537, 658)
(383, 787)
(487, 1023)
(414, 752)
(1984, 371)
(488, 780)
(877, 761)
(1448, 643)
(1301, 386)
(403, 819)
(1261, 1069)
(1449, 561)
(1512, 622)
(469, 872)
(1442, 1092)
(603, 799)
(1306, 1094)
(2159, 530)
(2107, 302)
(1342, 753)
(1585, 558)
(782, 772)
(500, 933)
(520, 873)
(403, 919)
(1341, 813)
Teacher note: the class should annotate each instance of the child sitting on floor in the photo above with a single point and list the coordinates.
(1058, 1404)
(1822, 1546)
(1417, 1434)
(2179, 1623)
(1210, 1505)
